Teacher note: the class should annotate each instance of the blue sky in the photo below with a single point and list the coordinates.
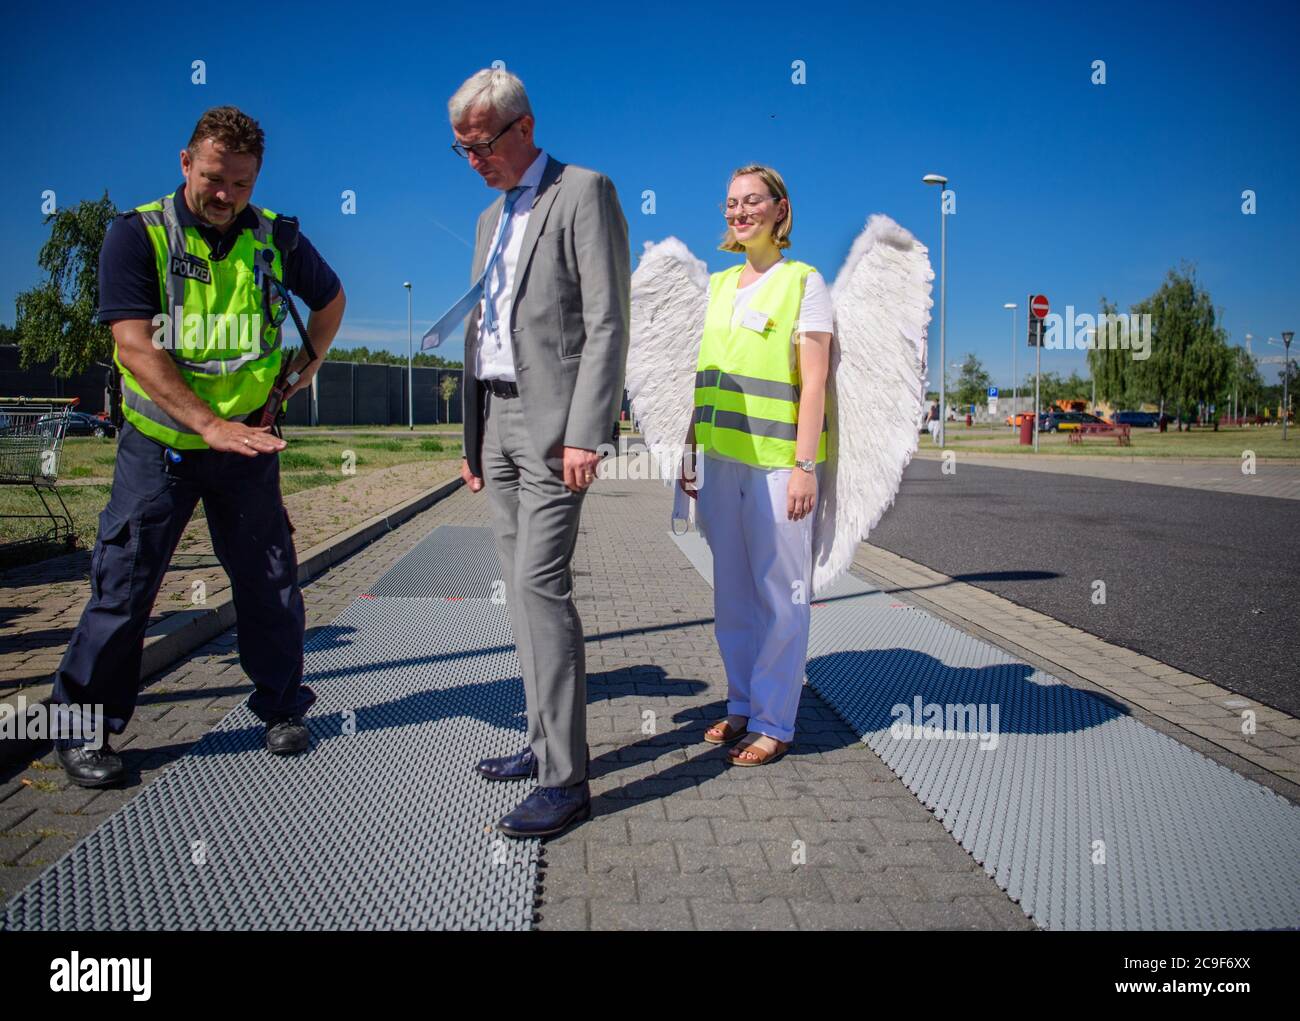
(1063, 187)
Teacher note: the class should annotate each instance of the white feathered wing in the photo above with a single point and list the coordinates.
(670, 296)
(876, 389)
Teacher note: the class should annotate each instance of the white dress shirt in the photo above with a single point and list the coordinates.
(494, 359)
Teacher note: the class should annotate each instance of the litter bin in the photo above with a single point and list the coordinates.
(1027, 430)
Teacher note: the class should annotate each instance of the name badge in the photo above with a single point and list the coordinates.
(755, 320)
(191, 266)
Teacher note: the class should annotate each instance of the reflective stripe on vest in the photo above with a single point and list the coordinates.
(143, 406)
(747, 381)
(747, 385)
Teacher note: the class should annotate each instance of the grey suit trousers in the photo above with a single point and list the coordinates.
(535, 519)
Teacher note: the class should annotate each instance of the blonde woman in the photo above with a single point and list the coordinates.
(759, 433)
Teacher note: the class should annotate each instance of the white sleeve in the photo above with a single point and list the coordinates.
(816, 315)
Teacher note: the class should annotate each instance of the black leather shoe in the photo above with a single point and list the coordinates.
(520, 766)
(287, 736)
(91, 767)
(548, 811)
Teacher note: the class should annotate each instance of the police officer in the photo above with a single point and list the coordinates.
(189, 286)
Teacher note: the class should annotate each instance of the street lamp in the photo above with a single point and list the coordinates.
(410, 372)
(1012, 306)
(942, 182)
(1286, 378)
(1251, 358)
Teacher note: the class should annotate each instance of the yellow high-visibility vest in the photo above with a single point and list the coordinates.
(231, 356)
(747, 379)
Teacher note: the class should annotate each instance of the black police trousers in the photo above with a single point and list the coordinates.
(151, 503)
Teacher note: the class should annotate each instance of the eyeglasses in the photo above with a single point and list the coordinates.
(483, 149)
(750, 204)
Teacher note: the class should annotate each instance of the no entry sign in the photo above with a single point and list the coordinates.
(1039, 306)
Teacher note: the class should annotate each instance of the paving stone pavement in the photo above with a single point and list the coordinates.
(825, 838)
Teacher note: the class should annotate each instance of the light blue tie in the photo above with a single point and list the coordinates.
(452, 318)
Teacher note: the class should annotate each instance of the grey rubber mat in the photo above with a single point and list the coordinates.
(1085, 817)
(384, 825)
(452, 561)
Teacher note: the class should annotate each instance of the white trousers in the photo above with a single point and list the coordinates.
(762, 587)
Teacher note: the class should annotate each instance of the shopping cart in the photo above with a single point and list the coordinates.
(31, 441)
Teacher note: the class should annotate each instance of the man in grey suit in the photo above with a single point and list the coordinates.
(545, 354)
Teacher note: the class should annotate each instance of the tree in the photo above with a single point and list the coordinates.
(973, 384)
(1114, 369)
(1076, 388)
(1244, 381)
(1189, 359)
(1051, 388)
(56, 319)
(364, 355)
(448, 387)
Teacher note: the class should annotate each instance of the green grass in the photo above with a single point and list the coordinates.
(293, 459)
(84, 504)
(311, 460)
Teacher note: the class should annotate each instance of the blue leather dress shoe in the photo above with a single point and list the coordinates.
(520, 766)
(548, 811)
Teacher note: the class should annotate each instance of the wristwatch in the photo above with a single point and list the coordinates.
(807, 466)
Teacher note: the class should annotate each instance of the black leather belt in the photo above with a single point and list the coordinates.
(500, 387)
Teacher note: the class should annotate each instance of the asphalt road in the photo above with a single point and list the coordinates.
(1201, 580)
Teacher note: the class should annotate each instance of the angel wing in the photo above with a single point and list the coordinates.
(875, 391)
(670, 296)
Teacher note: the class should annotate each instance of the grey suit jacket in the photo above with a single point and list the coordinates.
(571, 316)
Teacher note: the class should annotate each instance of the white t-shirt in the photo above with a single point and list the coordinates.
(815, 312)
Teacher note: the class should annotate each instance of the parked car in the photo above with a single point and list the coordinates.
(1070, 420)
(1136, 419)
(79, 424)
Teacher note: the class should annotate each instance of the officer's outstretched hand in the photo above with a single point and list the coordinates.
(237, 438)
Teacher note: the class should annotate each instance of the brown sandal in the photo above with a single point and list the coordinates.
(761, 758)
(726, 733)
